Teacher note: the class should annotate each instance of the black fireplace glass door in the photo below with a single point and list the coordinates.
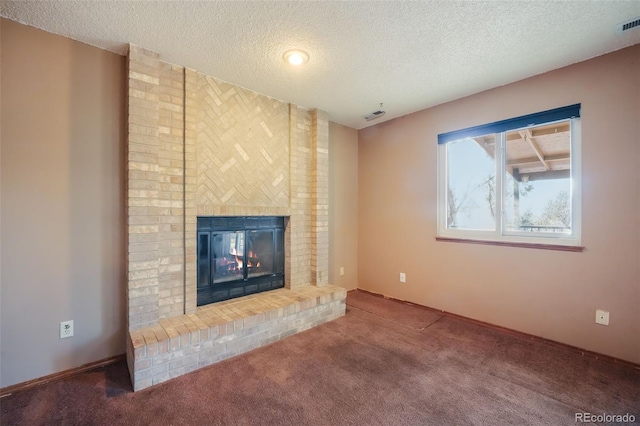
(238, 256)
(228, 256)
(204, 262)
(279, 241)
(260, 253)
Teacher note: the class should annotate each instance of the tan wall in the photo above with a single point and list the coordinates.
(1, 22)
(343, 202)
(546, 293)
(62, 174)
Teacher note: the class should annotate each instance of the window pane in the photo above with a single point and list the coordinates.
(471, 183)
(538, 179)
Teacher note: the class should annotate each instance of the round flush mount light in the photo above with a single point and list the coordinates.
(296, 57)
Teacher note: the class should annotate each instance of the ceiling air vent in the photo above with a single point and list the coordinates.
(629, 25)
(374, 115)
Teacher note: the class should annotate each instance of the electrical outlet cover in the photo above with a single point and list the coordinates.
(602, 317)
(66, 329)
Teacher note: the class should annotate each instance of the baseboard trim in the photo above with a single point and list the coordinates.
(19, 387)
(581, 351)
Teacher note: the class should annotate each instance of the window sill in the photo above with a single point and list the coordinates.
(513, 244)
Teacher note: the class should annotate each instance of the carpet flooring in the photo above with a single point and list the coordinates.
(384, 363)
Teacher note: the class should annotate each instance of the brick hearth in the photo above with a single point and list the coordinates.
(179, 345)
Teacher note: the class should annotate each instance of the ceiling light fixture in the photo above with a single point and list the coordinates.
(296, 57)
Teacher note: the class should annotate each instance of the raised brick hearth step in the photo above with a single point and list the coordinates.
(181, 344)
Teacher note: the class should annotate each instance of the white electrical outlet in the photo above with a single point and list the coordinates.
(66, 329)
(403, 277)
(341, 270)
(602, 317)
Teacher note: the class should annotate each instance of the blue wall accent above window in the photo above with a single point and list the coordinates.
(563, 113)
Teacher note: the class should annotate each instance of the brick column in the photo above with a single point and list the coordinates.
(143, 188)
(190, 188)
(171, 190)
(320, 198)
(294, 236)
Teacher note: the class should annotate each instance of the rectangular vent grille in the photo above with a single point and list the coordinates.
(626, 26)
(374, 115)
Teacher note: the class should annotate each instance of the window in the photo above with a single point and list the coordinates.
(515, 181)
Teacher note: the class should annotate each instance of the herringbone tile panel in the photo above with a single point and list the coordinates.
(242, 147)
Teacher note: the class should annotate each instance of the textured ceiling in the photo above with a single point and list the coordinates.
(410, 55)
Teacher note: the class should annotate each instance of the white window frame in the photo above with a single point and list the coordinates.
(500, 234)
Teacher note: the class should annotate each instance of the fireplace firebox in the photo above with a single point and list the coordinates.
(238, 256)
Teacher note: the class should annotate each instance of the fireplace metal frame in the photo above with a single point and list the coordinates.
(210, 292)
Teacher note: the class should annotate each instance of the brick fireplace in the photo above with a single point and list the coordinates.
(200, 147)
